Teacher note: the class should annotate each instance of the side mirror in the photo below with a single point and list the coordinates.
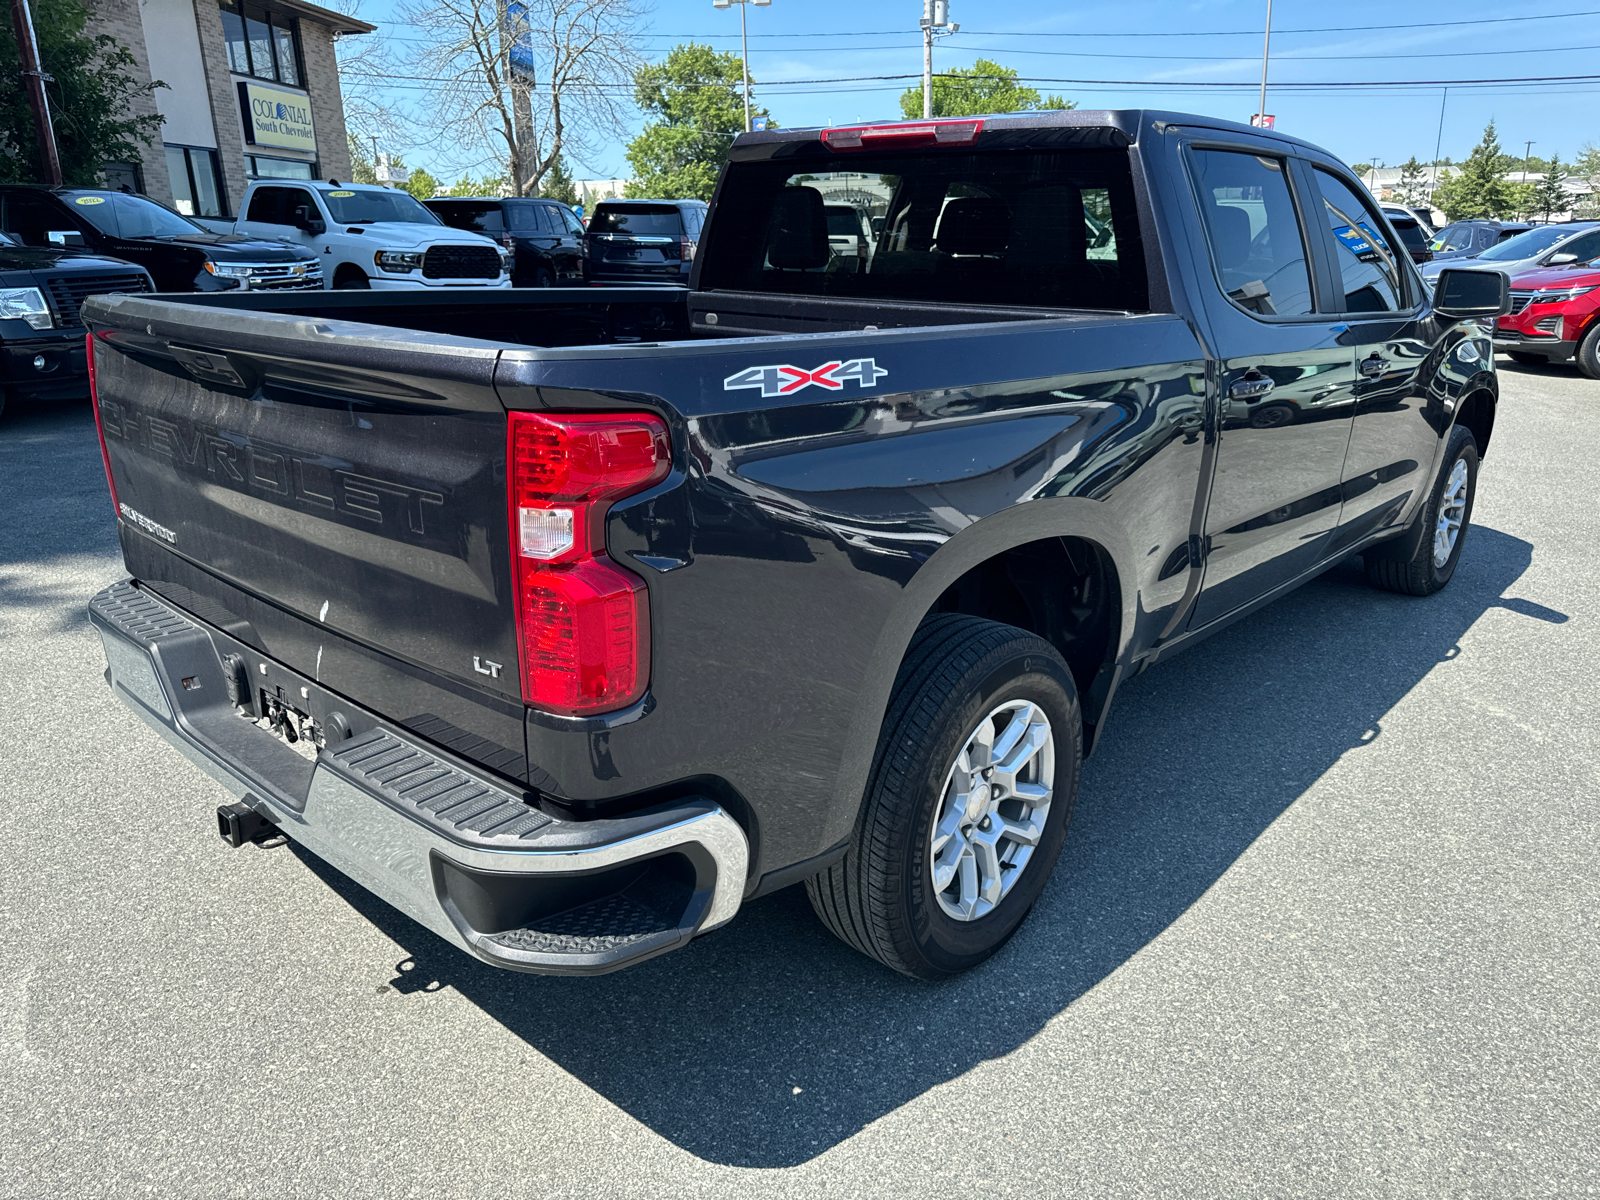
(1461, 295)
(1561, 260)
(305, 221)
(65, 237)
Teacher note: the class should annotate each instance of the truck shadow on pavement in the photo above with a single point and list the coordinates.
(768, 1042)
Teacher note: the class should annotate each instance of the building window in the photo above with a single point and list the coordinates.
(261, 43)
(196, 185)
(123, 176)
(259, 166)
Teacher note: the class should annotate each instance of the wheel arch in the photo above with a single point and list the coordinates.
(1075, 529)
(1476, 413)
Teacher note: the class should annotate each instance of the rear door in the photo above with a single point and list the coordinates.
(1286, 378)
(566, 247)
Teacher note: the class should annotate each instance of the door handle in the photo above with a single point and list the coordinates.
(1374, 365)
(1251, 387)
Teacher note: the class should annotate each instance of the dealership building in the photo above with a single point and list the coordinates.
(252, 93)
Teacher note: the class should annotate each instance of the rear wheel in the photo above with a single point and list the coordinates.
(967, 804)
(1588, 356)
(1445, 519)
(1526, 359)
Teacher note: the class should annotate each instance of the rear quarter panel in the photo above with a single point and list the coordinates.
(802, 537)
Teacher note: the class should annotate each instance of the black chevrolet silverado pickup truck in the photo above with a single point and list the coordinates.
(567, 621)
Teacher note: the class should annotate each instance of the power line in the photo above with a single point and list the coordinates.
(1030, 33)
(1140, 83)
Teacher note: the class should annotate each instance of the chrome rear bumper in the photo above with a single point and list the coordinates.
(457, 849)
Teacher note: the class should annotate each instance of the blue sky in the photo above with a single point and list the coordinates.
(1200, 42)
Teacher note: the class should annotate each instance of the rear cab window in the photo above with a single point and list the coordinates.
(637, 220)
(1036, 229)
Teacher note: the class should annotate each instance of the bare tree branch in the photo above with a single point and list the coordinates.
(520, 86)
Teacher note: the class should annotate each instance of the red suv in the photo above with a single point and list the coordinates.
(1555, 315)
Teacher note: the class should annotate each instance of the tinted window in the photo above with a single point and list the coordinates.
(843, 222)
(652, 220)
(571, 218)
(1585, 246)
(1367, 263)
(32, 218)
(524, 218)
(975, 227)
(1457, 237)
(1411, 235)
(352, 207)
(479, 217)
(267, 206)
(1256, 244)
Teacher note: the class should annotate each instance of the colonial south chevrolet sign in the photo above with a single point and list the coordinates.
(276, 117)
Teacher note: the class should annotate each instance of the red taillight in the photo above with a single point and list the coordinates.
(99, 425)
(686, 249)
(902, 137)
(509, 242)
(583, 623)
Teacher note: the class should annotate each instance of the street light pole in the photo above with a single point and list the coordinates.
(1266, 47)
(28, 54)
(744, 47)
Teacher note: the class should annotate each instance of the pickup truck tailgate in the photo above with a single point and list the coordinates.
(343, 483)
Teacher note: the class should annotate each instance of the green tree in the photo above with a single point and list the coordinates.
(486, 186)
(696, 97)
(558, 185)
(1413, 187)
(91, 95)
(985, 87)
(421, 184)
(1587, 168)
(1481, 189)
(1550, 193)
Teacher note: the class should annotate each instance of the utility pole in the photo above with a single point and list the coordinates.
(1526, 151)
(1372, 169)
(1266, 47)
(1438, 142)
(935, 23)
(28, 53)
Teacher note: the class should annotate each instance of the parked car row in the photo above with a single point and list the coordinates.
(1555, 316)
(59, 245)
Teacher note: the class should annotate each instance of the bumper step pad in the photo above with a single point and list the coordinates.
(429, 789)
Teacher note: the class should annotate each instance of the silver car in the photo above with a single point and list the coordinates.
(1541, 246)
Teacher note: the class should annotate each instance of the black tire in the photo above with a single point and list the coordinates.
(880, 898)
(543, 279)
(1420, 575)
(1588, 356)
(353, 281)
(1526, 359)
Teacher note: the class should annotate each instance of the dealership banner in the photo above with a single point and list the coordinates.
(277, 117)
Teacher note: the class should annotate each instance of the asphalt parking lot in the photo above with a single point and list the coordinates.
(1326, 925)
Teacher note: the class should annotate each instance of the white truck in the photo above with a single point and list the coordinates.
(369, 237)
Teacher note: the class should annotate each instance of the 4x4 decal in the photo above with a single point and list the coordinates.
(783, 380)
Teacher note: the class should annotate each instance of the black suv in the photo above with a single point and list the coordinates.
(180, 255)
(545, 236)
(644, 241)
(41, 336)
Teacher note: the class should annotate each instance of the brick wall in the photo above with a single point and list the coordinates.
(327, 102)
(224, 103)
(120, 19)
